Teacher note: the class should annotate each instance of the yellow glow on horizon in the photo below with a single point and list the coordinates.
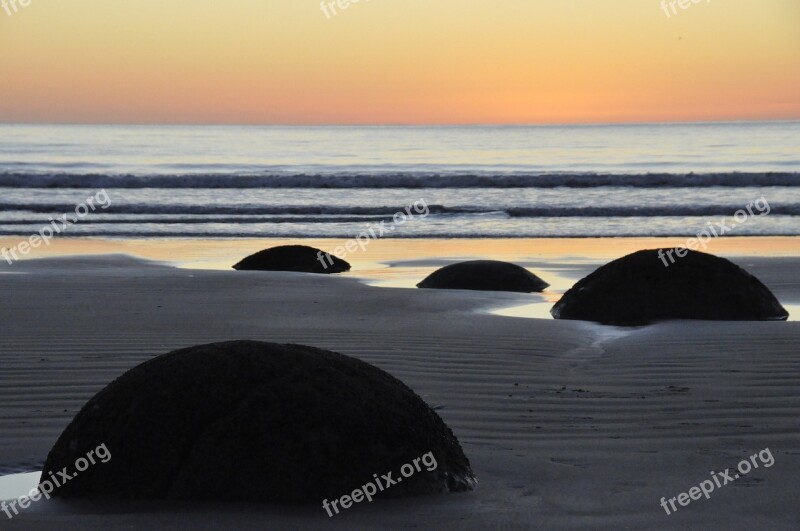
(398, 61)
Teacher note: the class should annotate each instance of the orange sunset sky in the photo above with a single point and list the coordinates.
(398, 61)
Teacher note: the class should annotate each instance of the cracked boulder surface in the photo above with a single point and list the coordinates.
(656, 285)
(297, 258)
(484, 275)
(255, 421)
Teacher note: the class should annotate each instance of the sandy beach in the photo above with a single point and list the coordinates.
(568, 424)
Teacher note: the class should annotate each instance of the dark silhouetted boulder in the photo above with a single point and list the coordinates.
(299, 258)
(647, 286)
(484, 275)
(247, 420)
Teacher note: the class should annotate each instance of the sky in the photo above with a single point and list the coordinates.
(399, 61)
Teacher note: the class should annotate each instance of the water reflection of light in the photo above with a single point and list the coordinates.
(14, 486)
(536, 310)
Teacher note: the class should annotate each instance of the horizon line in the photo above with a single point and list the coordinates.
(355, 124)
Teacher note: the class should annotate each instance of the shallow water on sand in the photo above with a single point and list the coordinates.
(13, 486)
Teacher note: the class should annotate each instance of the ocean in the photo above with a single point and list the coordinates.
(475, 182)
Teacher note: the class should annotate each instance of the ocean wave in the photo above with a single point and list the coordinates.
(386, 180)
(210, 209)
(473, 234)
(328, 213)
(213, 220)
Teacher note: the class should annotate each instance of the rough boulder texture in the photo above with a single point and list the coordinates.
(247, 420)
(298, 258)
(639, 289)
(484, 275)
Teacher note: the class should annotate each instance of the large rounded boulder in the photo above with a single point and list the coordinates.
(298, 258)
(255, 421)
(484, 275)
(659, 284)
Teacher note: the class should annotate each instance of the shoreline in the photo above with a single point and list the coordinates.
(187, 251)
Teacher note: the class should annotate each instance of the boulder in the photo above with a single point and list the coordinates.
(299, 258)
(646, 286)
(255, 421)
(484, 275)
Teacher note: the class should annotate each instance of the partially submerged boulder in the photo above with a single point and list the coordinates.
(299, 258)
(484, 275)
(247, 420)
(644, 287)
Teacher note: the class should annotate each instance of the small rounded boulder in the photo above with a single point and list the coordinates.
(297, 258)
(484, 275)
